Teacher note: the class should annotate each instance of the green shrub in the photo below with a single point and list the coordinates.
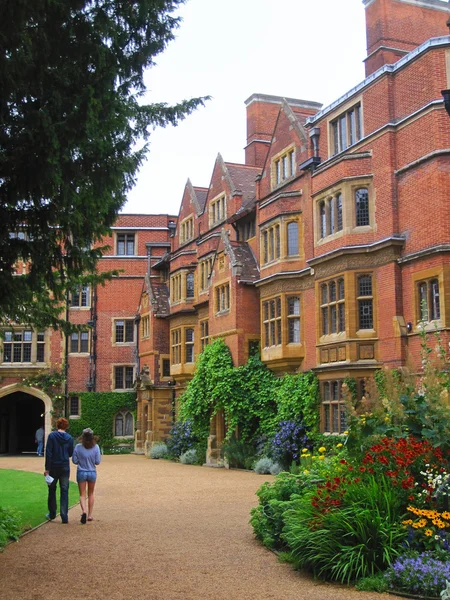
(263, 465)
(359, 537)
(375, 583)
(238, 453)
(10, 525)
(158, 450)
(189, 457)
(267, 519)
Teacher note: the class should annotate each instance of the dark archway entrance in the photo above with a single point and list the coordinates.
(20, 416)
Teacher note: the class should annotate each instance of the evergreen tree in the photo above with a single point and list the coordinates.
(71, 75)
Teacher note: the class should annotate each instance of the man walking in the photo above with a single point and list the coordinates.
(39, 439)
(58, 451)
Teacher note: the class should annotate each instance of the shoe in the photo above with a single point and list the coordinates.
(83, 518)
(47, 516)
(64, 522)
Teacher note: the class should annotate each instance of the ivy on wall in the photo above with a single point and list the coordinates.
(98, 410)
(253, 399)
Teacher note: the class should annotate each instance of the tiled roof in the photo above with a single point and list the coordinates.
(202, 194)
(159, 294)
(244, 179)
(244, 255)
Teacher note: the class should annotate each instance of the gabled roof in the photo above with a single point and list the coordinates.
(197, 197)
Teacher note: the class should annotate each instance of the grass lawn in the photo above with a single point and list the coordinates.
(27, 492)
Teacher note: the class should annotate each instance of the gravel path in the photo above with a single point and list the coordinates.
(162, 531)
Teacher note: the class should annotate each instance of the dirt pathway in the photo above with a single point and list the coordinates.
(163, 531)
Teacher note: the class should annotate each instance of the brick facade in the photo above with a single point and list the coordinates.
(320, 247)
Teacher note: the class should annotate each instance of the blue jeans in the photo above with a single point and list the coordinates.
(61, 474)
(40, 448)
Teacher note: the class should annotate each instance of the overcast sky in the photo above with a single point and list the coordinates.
(231, 49)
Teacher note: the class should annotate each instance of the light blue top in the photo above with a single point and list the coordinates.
(86, 458)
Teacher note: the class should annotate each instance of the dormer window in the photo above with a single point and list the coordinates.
(186, 230)
(217, 211)
(283, 166)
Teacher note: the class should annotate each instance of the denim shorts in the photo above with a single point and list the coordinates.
(90, 476)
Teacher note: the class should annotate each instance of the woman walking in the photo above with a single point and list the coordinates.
(87, 456)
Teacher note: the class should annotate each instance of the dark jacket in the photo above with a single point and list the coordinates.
(58, 451)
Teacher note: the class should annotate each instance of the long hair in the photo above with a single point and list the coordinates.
(87, 439)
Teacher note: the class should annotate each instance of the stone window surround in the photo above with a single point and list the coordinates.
(282, 221)
(347, 187)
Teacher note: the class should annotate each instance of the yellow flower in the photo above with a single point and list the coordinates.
(345, 433)
(305, 472)
(322, 449)
(313, 457)
(407, 522)
(422, 523)
(415, 525)
(305, 450)
(428, 532)
(321, 457)
(446, 515)
(339, 445)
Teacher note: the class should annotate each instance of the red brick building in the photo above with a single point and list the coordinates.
(331, 243)
(103, 356)
(327, 247)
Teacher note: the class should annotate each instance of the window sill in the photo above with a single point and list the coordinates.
(123, 390)
(222, 312)
(82, 354)
(74, 417)
(76, 308)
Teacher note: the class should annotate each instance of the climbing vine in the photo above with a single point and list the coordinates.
(253, 399)
(98, 410)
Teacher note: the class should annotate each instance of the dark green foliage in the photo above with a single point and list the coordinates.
(239, 454)
(274, 499)
(97, 412)
(254, 401)
(10, 525)
(71, 76)
(375, 583)
(359, 538)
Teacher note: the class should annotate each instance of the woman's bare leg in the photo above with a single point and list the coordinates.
(82, 489)
(91, 487)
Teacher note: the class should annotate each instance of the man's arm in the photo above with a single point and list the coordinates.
(48, 454)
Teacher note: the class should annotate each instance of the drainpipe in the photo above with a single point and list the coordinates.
(66, 363)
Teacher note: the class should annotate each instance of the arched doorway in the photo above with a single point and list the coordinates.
(22, 411)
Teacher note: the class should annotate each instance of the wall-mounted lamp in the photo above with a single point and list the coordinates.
(446, 96)
(409, 327)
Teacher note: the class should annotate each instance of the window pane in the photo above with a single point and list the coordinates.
(74, 342)
(324, 294)
(362, 207)
(7, 352)
(294, 305)
(118, 375)
(341, 311)
(435, 305)
(332, 205)
(84, 344)
(129, 330)
(292, 234)
(365, 314)
(27, 353)
(190, 285)
(294, 331)
(332, 290)
(130, 244)
(365, 285)
(128, 377)
(120, 332)
(129, 429)
(74, 406)
(323, 220)
(118, 429)
(324, 321)
(327, 424)
(339, 211)
(333, 317)
(341, 291)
